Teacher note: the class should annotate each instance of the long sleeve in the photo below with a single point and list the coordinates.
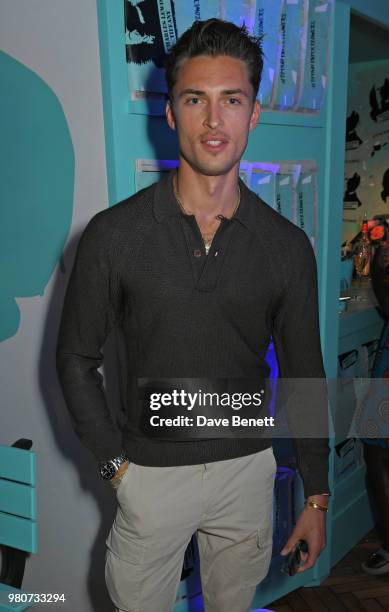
(91, 309)
(296, 337)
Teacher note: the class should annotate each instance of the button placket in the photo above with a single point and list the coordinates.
(206, 268)
(194, 245)
(215, 258)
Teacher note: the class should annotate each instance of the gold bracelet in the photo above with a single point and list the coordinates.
(314, 504)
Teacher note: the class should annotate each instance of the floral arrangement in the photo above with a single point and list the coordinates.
(378, 232)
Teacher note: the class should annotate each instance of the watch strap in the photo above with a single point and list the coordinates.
(109, 468)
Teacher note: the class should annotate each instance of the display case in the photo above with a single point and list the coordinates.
(360, 324)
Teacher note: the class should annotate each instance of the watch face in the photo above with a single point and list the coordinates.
(107, 470)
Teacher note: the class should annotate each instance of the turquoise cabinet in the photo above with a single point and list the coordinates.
(359, 331)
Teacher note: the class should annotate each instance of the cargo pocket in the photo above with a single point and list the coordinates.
(123, 575)
(257, 552)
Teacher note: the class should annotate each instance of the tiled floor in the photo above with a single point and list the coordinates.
(348, 587)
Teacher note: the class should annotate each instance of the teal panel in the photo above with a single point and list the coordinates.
(116, 99)
(36, 189)
(332, 212)
(368, 41)
(350, 500)
(18, 532)
(359, 327)
(18, 499)
(18, 464)
(376, 10)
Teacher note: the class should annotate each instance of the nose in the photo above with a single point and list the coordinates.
(213, 116)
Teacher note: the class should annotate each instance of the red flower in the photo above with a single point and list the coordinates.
(377, 232)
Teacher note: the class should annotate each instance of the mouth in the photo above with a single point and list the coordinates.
(214, 144)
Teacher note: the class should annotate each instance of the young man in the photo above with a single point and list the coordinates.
(189, 271)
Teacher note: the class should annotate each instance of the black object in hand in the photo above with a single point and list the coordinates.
(293, 560)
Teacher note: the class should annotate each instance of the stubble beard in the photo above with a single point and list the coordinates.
(219, 168)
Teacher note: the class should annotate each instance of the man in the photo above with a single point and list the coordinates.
(197, 273)
(376, 450)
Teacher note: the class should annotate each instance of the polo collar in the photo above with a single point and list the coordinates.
(165, 205)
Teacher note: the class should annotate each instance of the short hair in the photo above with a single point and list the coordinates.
(216, 37)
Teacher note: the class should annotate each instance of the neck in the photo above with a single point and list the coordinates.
(207, 196)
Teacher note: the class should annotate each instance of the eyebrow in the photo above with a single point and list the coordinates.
(225, 92)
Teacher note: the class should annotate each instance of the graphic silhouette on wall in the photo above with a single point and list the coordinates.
(353, 141)
(351, 200)
(36, 190)
(378, 108)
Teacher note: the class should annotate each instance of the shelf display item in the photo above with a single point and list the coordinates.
(347, 457)
(149, 171)
(241, 13)
(294, 73)
(150, 33)
(307, 205)
(263, 181)
(286, 180)
(293, 29)
(290, 188)
(313, 85)
(267, 27)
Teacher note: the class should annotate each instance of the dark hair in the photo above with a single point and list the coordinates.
(216, 37)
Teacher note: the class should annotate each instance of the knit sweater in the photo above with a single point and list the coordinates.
(142, 271)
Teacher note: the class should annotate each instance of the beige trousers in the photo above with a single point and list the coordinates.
(228, 504)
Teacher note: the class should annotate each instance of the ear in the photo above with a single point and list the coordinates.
(170, 115)
(255, 115)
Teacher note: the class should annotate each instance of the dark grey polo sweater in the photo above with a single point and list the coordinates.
(141, 268)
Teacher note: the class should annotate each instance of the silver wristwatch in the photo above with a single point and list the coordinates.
(109, 468)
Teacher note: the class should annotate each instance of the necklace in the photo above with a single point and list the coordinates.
(219, 217)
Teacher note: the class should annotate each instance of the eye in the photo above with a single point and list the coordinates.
(192, 101)
(233, 101)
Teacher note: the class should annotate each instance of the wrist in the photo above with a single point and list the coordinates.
(317, 504)
(123, 467)
(110, 468)
(320, 497)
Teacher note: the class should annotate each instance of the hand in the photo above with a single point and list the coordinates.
(311, 527)
(116, 480)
